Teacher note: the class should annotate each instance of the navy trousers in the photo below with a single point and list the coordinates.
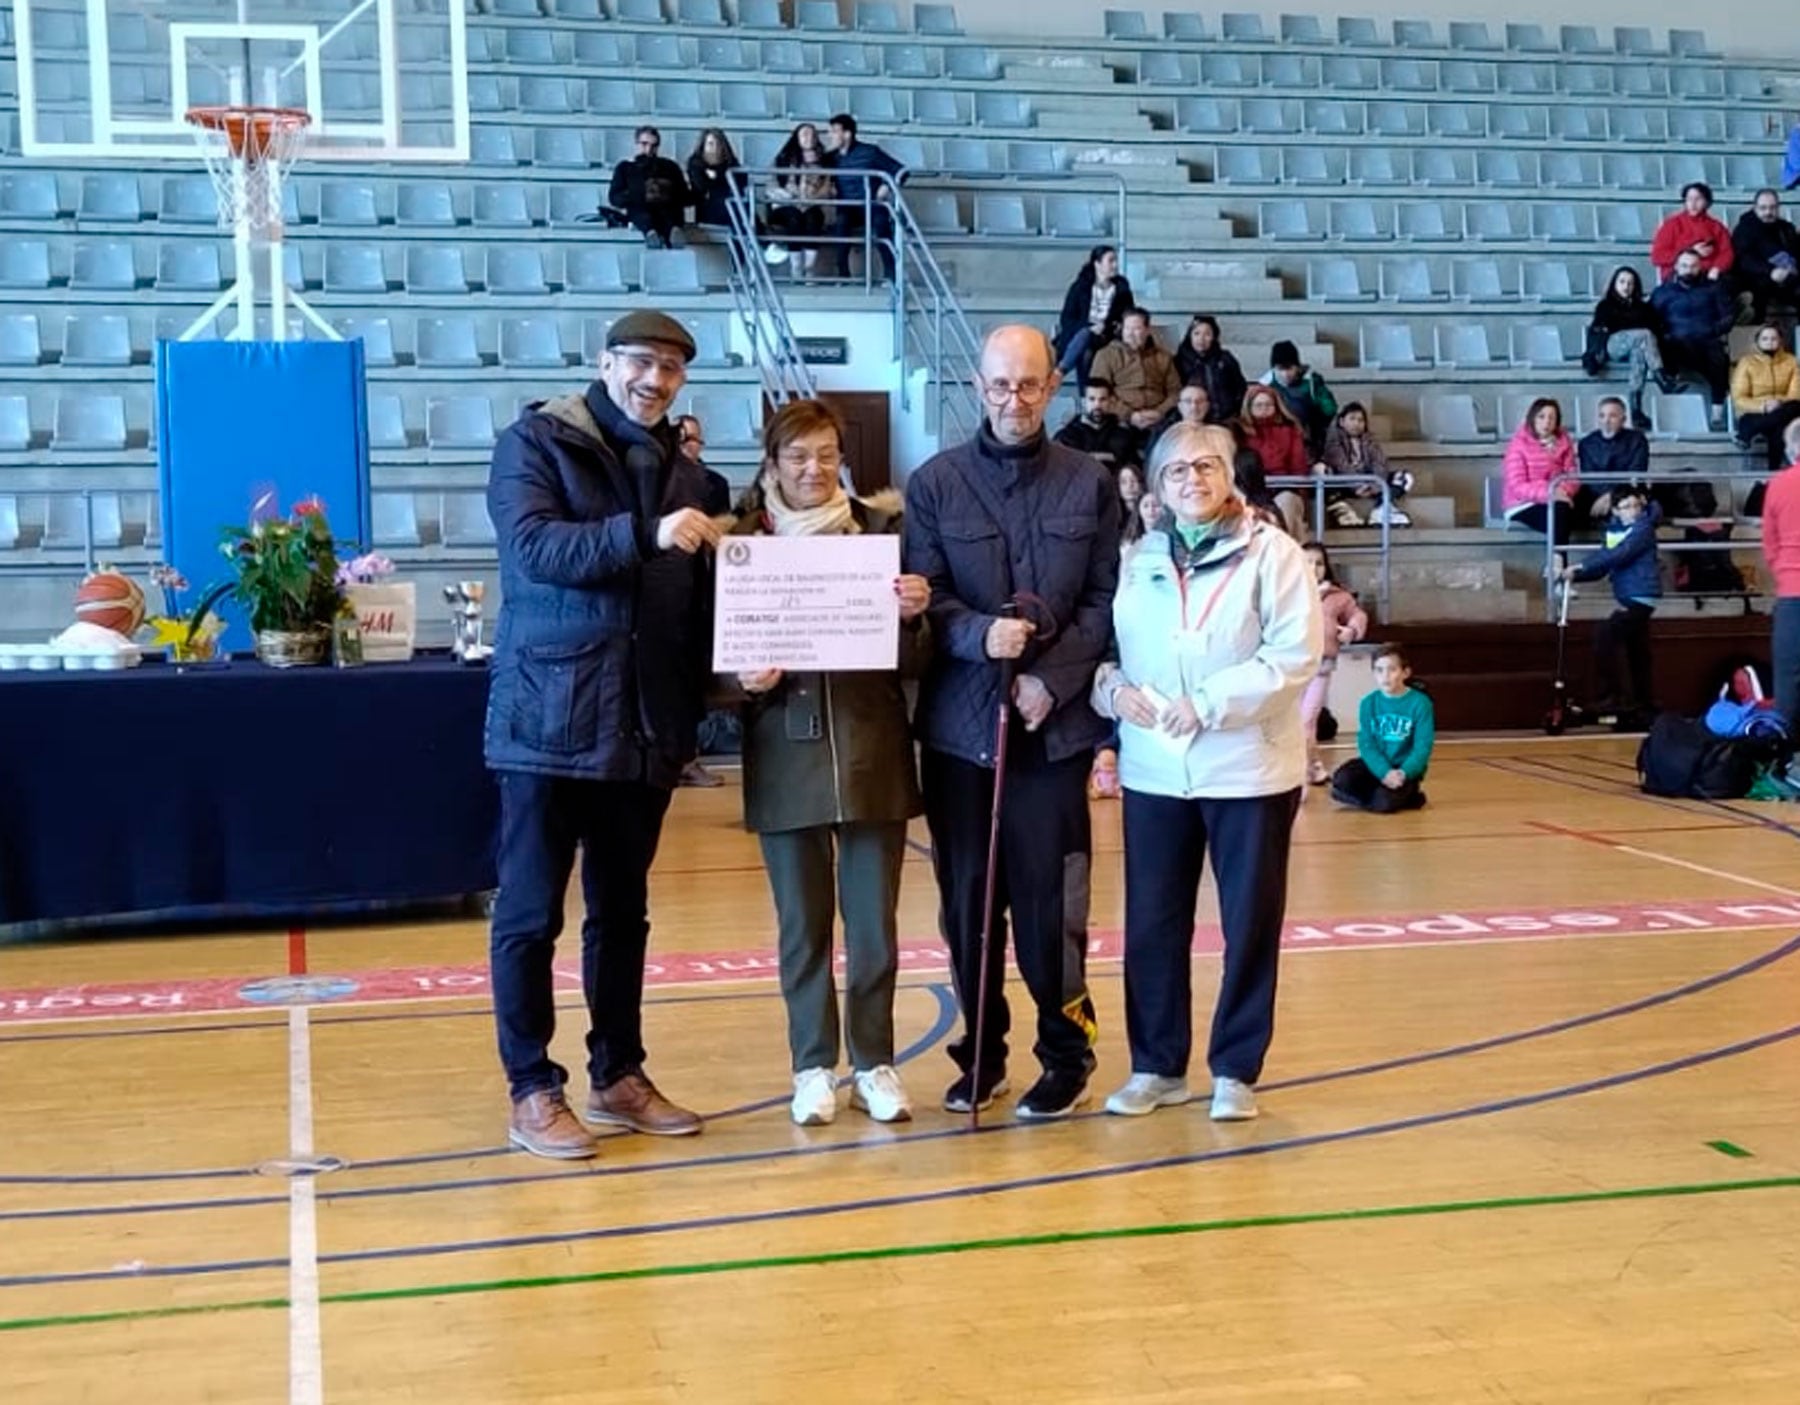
(1166, 845)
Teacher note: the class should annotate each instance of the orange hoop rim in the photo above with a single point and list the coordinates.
(248, 129)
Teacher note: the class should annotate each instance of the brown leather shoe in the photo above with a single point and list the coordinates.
(543, 1125)
(634, 1102)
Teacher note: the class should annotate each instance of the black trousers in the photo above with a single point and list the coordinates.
(1771, 426)
(1707, 359)
(1559, 519)
(1046, 846)
(848, 225)
(656, 218)
(542, 821)
(1354, 783)
(1626, 631)
(1166, 843)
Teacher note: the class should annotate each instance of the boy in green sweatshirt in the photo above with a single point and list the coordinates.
(1395, 729)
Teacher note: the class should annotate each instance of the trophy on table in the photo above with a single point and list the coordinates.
(464, 599)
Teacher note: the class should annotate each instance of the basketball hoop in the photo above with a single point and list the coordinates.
(248, 151)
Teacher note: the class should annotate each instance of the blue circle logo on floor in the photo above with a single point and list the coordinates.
(297, 990)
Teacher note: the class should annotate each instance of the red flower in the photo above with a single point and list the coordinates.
(309, 507)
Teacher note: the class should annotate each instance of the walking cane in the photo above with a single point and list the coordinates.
(1002, 728)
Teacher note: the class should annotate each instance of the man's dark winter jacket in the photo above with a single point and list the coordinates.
(1109, 443)
(1628, 451)
(647, 180)
(985, 523)
(1757, 242)
(1699, 311)
(600, 657)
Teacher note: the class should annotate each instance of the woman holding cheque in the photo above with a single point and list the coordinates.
(1218, 628)
(828, 764)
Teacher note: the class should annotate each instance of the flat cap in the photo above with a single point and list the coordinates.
(636, 328)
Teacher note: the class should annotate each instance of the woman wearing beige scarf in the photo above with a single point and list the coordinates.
(829, 766)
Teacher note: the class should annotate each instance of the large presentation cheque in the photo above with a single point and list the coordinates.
(802, 604)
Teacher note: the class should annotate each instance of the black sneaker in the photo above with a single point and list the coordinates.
(960, 1095)
(1058, 1093)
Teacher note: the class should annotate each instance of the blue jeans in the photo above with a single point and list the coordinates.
(1787, 658)
(542, 821)
(1079, 352)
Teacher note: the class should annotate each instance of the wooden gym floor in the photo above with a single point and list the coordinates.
(1531, 1132)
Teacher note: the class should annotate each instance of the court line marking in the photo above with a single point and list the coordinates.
(1050, 1239)
(1725, 809)
(306, 1359)
(1637, 1006)
(819, 1210)
(1590, 837)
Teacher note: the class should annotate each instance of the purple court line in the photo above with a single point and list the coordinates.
(1745, 818)
(950, 1193)
(1695, 987)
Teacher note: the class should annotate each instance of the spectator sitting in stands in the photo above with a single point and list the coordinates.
(1697, 316)
(1268, 426)
(1540, 453)
(1692, 227)
(796, 211)
(1765, 390)
(1141, 374)
(1305, 391)
(1253, 481)
(1201, 357)
(1612, 448)
(1790, 161)
(1192, 406)
(1351, 447)
(1096, 430)
(847, 155)
(710, 181)
(650, 190)
(1768, 255)
(1092, 311)
(1627, 326)
(1131, 494)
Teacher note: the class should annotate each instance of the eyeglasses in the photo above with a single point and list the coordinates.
(997, 393)
(643, 362)
(1180, 472)
(830, 460)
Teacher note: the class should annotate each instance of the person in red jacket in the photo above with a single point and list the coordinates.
(1692, 227)
(1269, 427)
(1781, 549)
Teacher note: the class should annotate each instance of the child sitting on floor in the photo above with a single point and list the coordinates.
(1395, 729)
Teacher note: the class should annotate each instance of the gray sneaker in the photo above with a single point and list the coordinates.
(1143, 1093)
(1232, 1101)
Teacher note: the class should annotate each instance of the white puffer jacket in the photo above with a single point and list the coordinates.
(1240, 636)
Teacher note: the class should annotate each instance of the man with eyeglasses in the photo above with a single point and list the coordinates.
(650, 189)
(600, 663)
(1768, 255)
(1011, 519)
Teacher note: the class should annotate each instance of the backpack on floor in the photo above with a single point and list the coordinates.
(1683, 758)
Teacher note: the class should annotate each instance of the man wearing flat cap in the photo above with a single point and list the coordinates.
(600, 663)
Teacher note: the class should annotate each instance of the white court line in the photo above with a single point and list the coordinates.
(306, 1365)
(1703, 868)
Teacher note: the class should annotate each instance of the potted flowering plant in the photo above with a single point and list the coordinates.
(190, 636)
(287, 579)
(387, 611)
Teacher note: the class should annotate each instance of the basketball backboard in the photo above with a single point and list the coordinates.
(382, 79)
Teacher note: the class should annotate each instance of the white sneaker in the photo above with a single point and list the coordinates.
(879, 1092)
(815, 1097)
(1232, 1101)
(1145, 1092)
(1316, 774)
(1342, 514)
(1395, 516)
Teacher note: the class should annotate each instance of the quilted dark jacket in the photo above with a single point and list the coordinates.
(601, 650)
(984, 524)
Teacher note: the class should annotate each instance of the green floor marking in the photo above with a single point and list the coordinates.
(1729, 1149)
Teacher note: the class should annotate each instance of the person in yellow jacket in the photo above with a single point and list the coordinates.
(1765, 391)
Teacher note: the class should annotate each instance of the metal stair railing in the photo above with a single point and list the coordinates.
(756, 296)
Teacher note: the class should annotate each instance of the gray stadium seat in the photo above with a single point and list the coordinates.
(1415, 34)
(459, 422)
(760, 14)
(1126, 24)
(1411, 280)
(393, 519)
(877, 17)
(1076, 217)
(558, 146)
(1467, 76)
(1210, 116)
(525, 44)
(1351, 75)
(9, 521)
(1377, 165)
(1449, 419)
(1005, 110)
(885, 107)
(934, 19)
(1035, 158)
(701, 13)
(347, 203)
(1313, 165)
(492, 146)
(501, 205)
(1581, 39)
(1513, 122)
(188, 267)
(969, 157)
(1330, 118)
(1247, 165)
(1473, 36)
(1458, 120)
(445, 342)
(572, 204)
(1538, 345)
(729, 419)
(1639, 125)
(725, 54)
(1463, 345)
(817, 14)
(1640, 81)
(592, 270)
(594, 49)
(1003, 216)
(911, 61)
(188, 200)
(1632, 171)
(1578, 123)
(1529, 39)
(1242, 28)
(89, 422)
(1690, 44)
(1621, 223)
(1303, 29)
(641, 11)
(354, 268)
(1388, 346)
(387, 426)
(787, 56)
(103, 267)
(71, 522)
(1547, 280)
(680, 99)
(1579, 170)
(1490, 220)
(1290, 71)
(15, 424)
(424, 203)
(1437, 165)
(1184, 26)
(613, 97)
(24, 263)
(466, 521)
(943, 107)
(936, 212)
(1528, 79)
(1423, 222)
(1478, 280)
(113, 196)
(749, 101)
(1678, 416)
(1587, 80)
(709, 342)
(1272, 116)
(1746, 84)
(516, 270)
(850, 60)
(1396, 119)
(29, 195)
(96, 339)
(1335, 280)
(1507, 168)
(1409, 75)
(435, 268)
(1163, 69)
(671, 271)
(1229, 71)
(1361, 221)
(20, 344)
(376, 334)
(550, 96)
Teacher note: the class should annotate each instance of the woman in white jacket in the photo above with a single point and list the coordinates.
(1218, 628)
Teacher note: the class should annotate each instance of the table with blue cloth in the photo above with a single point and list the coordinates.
(242, 790)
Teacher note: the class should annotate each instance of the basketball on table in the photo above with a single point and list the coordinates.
(111, 601)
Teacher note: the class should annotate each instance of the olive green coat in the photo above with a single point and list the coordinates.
(833, 748)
